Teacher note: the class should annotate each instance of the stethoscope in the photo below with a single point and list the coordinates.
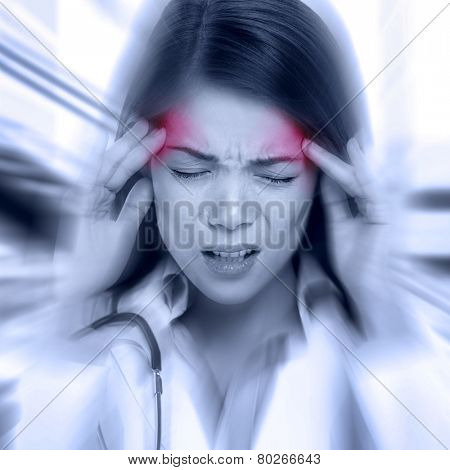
(155, 355)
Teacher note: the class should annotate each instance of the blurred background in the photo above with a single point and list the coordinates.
(64, 69)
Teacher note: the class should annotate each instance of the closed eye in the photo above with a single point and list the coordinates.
(279, 180)
(198, 174)
(189, 175)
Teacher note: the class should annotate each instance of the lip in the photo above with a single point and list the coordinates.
(232, 248)
(230, 265)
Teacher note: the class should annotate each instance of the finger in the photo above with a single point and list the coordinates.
(333, 166)
(114, 155)
(359, 162)
(365, 178)
(335, 201)
(136, 205)
(136, 159)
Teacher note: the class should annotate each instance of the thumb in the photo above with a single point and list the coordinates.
(136, 205)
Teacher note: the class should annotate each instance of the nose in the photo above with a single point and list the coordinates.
(231, 215)
(232, 209)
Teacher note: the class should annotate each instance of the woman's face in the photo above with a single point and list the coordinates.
(232, 192)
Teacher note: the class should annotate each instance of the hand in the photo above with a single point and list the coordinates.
(100, 243)
(357, 245)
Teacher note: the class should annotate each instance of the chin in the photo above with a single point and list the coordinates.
(227, 298)
(227, 293)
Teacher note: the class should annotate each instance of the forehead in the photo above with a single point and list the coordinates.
(228, 124)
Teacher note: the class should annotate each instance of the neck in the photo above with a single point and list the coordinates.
(274, 307)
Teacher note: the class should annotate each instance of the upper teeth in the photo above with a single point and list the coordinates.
(234, 254)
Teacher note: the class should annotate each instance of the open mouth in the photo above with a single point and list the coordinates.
(230, 262)
(231, 256)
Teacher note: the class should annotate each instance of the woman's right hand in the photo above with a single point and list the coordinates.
(100, 244)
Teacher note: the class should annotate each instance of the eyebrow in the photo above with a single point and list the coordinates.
(273, 160)
(195, 153)
(263, 162)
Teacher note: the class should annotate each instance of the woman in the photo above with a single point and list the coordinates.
(244, 268)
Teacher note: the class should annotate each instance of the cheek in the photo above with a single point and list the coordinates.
(303, 190)
(285, 217)
(165, 187)
(176, 214)
(285, 205)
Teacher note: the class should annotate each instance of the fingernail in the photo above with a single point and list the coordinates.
(305, 144)
(141, 126)
(312, 146)
(158, 133)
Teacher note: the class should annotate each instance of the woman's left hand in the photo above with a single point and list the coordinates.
(357, 242)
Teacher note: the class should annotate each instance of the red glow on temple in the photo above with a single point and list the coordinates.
(177, 128)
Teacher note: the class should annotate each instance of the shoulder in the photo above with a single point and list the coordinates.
(79, 379)
(112, 342)
(127, 387)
